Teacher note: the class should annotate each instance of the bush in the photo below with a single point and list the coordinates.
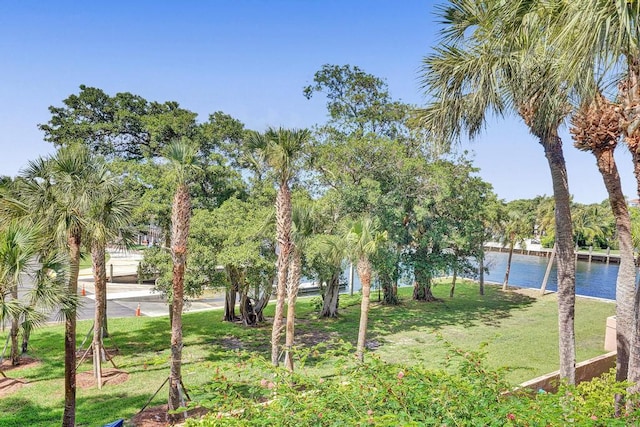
(385, 394)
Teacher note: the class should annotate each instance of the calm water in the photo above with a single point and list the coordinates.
(592, 279)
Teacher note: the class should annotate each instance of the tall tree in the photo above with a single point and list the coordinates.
(182, 156)
(124, 125)
(302, 230)
(363, 239)
(59, 189)
(596, 129)
(485, 64)
(108, 221)
(281, 149)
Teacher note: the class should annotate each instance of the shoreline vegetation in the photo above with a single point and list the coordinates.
(515, 330)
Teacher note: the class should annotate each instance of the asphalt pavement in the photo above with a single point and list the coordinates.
(125, 294)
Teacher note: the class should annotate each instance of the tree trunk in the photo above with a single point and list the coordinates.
(331, 297)
(26, 333)
(364, 273)
(295, 273)
(505, 283)
(100, 280)
(283, 229)
(481, 271)
(15, 327)
(230, 295)
(453, 283)
(565, 256)
(69, 414)
(422, 285)
(105, 317)
(625, 283)
(387, 283)
(631, 98)
(180, 217)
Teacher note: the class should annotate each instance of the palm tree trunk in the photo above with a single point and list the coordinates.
(630, 98)
(364, 273)
(15, 326)
(180, 217)
(100, 281)
(69, 414)
(283, 230)
(625, 285)
(565, 256)
(505, 283)
(295, 273)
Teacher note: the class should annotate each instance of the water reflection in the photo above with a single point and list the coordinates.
(592, 279)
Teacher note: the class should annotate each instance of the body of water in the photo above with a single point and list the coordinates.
(593, 279)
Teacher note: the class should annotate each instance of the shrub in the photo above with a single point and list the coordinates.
(387, 394)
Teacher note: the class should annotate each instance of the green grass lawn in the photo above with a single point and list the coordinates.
(517, 329)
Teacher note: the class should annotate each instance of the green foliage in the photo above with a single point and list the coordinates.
(124, 125)
(391, 394)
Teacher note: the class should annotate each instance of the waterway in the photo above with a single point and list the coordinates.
(593, 279)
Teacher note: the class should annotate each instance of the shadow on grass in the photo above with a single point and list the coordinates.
(15, 411)
(466, 309)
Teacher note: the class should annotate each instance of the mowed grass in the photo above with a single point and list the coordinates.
(517, 329)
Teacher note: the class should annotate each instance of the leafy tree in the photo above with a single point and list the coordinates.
(124, 125)
(489, 60)
(241, 237)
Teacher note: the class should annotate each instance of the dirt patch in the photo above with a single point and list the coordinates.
(313, 338)
(231, 343)
(10, 385)
(25, 362)
(109, 377)
(157, 416)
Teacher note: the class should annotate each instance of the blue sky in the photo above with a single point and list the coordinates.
(250, 59)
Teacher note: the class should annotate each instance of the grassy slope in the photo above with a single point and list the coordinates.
(520, 331)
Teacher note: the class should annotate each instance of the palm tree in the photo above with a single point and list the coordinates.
(591, 224)
(182, 156)
(484, 64)
(515, 229)
(302, 230)
(363, 239)
(281, 148)
(59, 190)
(596, 129)
(19, 244)
(47, 272)
(110, 213)
(599, 40)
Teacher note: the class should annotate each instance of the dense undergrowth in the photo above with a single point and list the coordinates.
(388, 394)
